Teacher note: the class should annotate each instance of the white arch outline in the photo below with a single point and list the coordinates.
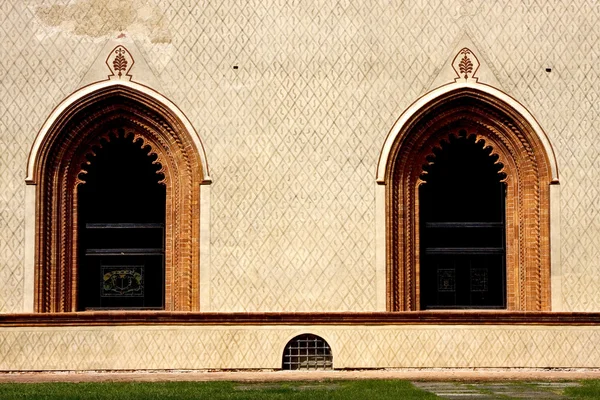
(81, 94)
(425, 101)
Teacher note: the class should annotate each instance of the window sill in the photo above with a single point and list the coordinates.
(434, 317)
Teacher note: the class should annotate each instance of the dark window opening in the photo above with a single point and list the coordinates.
(462, 227)
(307, 352)
(121, 211)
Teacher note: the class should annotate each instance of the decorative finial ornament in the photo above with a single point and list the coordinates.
(119, 62)
(465, 65)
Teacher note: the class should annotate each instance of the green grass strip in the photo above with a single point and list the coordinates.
(589, 389)
(342, 390)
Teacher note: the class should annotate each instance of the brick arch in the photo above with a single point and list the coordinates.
(528, 172)
(60, 159)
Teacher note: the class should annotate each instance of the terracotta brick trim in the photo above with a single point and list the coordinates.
(121, 318)
(61, 156)
(528, 176)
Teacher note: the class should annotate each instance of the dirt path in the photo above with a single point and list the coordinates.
(471, 375)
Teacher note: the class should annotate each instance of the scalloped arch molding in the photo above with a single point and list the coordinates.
(72, 103)
(427, 101)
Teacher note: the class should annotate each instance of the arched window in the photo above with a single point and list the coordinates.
(462, 226)
(467, 204)
(117, 170)
(121, 223)
(307, 352)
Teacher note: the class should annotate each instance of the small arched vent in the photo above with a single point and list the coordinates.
(307, 352)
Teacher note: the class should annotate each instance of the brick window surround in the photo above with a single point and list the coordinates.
(58, 164)
(528, 176)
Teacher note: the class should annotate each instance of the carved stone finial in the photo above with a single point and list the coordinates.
(465, 65)
(119, 62)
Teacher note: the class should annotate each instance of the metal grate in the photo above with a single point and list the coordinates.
(307, 352)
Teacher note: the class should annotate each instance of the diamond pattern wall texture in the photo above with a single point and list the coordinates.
(133, 348)
(294, 133)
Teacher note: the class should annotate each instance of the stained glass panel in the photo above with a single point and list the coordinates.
(122, 281)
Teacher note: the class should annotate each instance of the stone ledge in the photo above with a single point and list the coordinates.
(121, 317)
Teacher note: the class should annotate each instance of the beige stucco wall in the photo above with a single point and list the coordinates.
(233, 347)
(293, 135)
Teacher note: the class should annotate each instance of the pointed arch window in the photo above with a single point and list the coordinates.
(117, 174)
(462, 226)
(121, 223)
(467, 206)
